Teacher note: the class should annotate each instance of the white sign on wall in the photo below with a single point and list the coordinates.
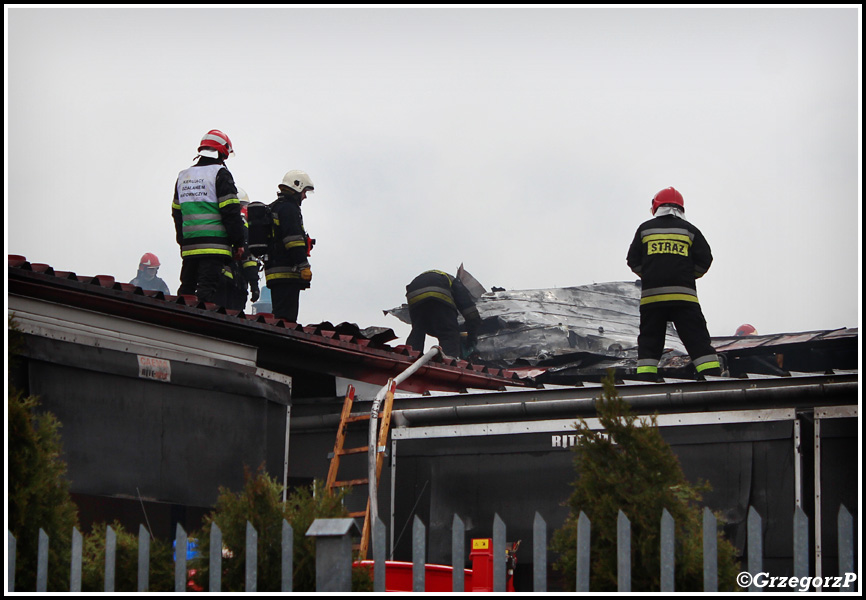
(154, 368)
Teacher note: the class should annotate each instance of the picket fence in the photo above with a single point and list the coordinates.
(341, 554)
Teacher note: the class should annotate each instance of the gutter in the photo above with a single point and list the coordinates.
(805, 396)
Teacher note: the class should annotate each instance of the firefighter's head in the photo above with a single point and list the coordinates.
(297, 182)
(667, 196)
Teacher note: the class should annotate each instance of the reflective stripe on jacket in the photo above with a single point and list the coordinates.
(668, 254)
(206, 211)
(287, 255)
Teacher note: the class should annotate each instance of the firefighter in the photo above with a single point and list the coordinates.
(146, 278)
(207, 218)
(668, 254)
(434, 299)
(287, 270)
(240, 278)
(745, 329)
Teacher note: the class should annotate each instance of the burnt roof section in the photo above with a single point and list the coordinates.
(343, 350)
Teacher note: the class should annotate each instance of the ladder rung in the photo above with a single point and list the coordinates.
(360, 513)
(357, 450)
(349, 482)
(355, 418)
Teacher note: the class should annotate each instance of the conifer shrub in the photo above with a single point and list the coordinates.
(628, 466)
(260, 503)
(38, 493)
(161, 561)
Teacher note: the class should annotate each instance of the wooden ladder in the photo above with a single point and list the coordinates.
(346, 417)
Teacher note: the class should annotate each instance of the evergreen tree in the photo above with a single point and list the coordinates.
(161, 562)
(261, 504)
(628, 466)
(38, 494)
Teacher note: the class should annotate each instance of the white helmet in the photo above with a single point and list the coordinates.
(298, 181)
(242, 196)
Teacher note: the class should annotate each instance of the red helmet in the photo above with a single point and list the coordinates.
(218, 141)
(667, 196)
(746, 329)
(149, 260)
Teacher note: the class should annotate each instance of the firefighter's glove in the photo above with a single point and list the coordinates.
(306, 274)
(254, 293)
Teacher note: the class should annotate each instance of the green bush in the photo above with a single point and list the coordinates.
(628, 466)
(161, 568)
(261, 504)
(38, 493)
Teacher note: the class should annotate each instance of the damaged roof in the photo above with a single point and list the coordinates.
(528, 338)
(572, 334)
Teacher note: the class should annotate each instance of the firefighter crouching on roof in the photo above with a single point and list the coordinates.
(668, 253)
(434, 297)
(287, 270)
(207, 218)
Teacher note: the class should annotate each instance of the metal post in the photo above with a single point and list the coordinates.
(801, 543)
(623, 552)
(667, 550)
(333, 553)
(845, 533)
(143, 559)
(10, 567)
(754, 545)
(110, 553)
(818, 553)
(75, 566)
(419, 566)
(377, 534)
(583, 539)
(393, 494)
(458, 559)
(286, 456)
(252, 561)
(498, 554)
(711, 559)
(798, 464)
(42, 562)
(215, 563)
(288, 544)
(180, 559)
(539, 554)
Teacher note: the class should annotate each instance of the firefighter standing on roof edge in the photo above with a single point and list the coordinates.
(287, 270)
(434, 298)
(668, 253)
(207, 218)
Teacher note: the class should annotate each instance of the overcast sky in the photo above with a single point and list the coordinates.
(525, 143)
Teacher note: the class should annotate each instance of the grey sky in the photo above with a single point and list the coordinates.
(525, 143)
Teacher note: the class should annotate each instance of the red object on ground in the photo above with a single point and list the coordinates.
(439, 578)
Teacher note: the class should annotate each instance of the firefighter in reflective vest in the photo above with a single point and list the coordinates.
(287, 270)
(668, 253)
(434, 298)
(207, 218)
